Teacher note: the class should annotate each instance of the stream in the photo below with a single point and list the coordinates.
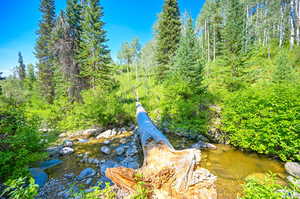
(230, 165)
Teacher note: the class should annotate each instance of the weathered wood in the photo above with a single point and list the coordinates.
(167, 172)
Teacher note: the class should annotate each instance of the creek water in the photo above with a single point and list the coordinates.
(230, 165)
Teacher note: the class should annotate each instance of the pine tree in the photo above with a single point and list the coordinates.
(66, 42)
(43, 49)
(21, 67)
(168, 35)
(187, 62)
(234, 30)
(95, 55)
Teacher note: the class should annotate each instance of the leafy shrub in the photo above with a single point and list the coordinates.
(265, 119)
(106, 193)
(266, 189)
(21, 188)
(20, 142)
(99, 107)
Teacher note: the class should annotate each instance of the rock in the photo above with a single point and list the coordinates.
(289, 194)
(108, 164)
(105, 149)
(123, 140)
(203, 145)
(294, 181)
(89, 190)
(202, 175)
(132, 151)
(293, 168)
(49, 164)
(64, 194)
(66, 151)
(120, 150)
(69, 175)
(90, 132)
(107, 134)
(88, 172)
(107, 142)
(131, 127)
(89, 181)
(82, 140)
(40, 177)
(130, 162)
(54, 151)
(68, 143)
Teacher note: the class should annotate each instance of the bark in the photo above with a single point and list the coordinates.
(166, 172)
(292, 23)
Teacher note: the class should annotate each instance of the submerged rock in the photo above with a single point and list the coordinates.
(66, 151)
(88, 172)
(40, 177)
(120, 150)
(203, 145)
(108, 164)
(105, 149)
(68, 143)
(49, 164)
(54, 151)
(293, 168)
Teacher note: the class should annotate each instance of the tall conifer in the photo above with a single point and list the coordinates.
(168, 34)
(21, 67)
(95, 55)
(43, 49)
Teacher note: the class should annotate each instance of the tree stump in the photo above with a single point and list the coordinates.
(166, 172)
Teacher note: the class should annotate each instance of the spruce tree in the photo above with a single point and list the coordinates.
(234, 30)
(66, 41)
(95, 55)
(187, 62)
(21, 67)
(168, 35)
(43, 49)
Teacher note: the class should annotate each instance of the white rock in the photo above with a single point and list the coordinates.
(66, 151)
(106, 150)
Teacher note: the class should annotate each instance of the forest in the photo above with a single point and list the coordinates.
(229, 77)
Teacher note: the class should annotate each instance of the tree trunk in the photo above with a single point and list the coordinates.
(292, 23)
(166, 172)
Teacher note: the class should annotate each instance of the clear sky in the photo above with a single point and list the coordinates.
(125, 19)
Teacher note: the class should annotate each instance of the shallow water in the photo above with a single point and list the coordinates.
(230, 165)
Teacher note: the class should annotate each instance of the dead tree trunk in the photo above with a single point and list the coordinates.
(167, 173)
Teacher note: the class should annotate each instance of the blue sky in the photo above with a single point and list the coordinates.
(125, 19)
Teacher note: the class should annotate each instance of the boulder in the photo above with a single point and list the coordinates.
(86, 173)
(203, 145)
(40, 177)
(131, 151)
(54, 151)
(105, 149)
(89, 181)
(82, 140)
(108, 164)
(67, 143)
(49, 164)
(69, 175)
(66, 151)
(107, 134)
(293, 168)
(107, 142)
(120, 150)
(131, 162)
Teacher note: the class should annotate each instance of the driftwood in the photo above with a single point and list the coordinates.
(166, 172)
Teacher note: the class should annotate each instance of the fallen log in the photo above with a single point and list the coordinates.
(166, 172)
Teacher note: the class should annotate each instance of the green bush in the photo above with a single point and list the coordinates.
(20, 143)
(99, 107)
(265, 119)
(21, 188)
(266, 189)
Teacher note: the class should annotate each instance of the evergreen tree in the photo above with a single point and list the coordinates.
(168, 35)
(95, 55)
(187, 62)
(234, 30)
(43, 49)
(66, 39)
(21, 67)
